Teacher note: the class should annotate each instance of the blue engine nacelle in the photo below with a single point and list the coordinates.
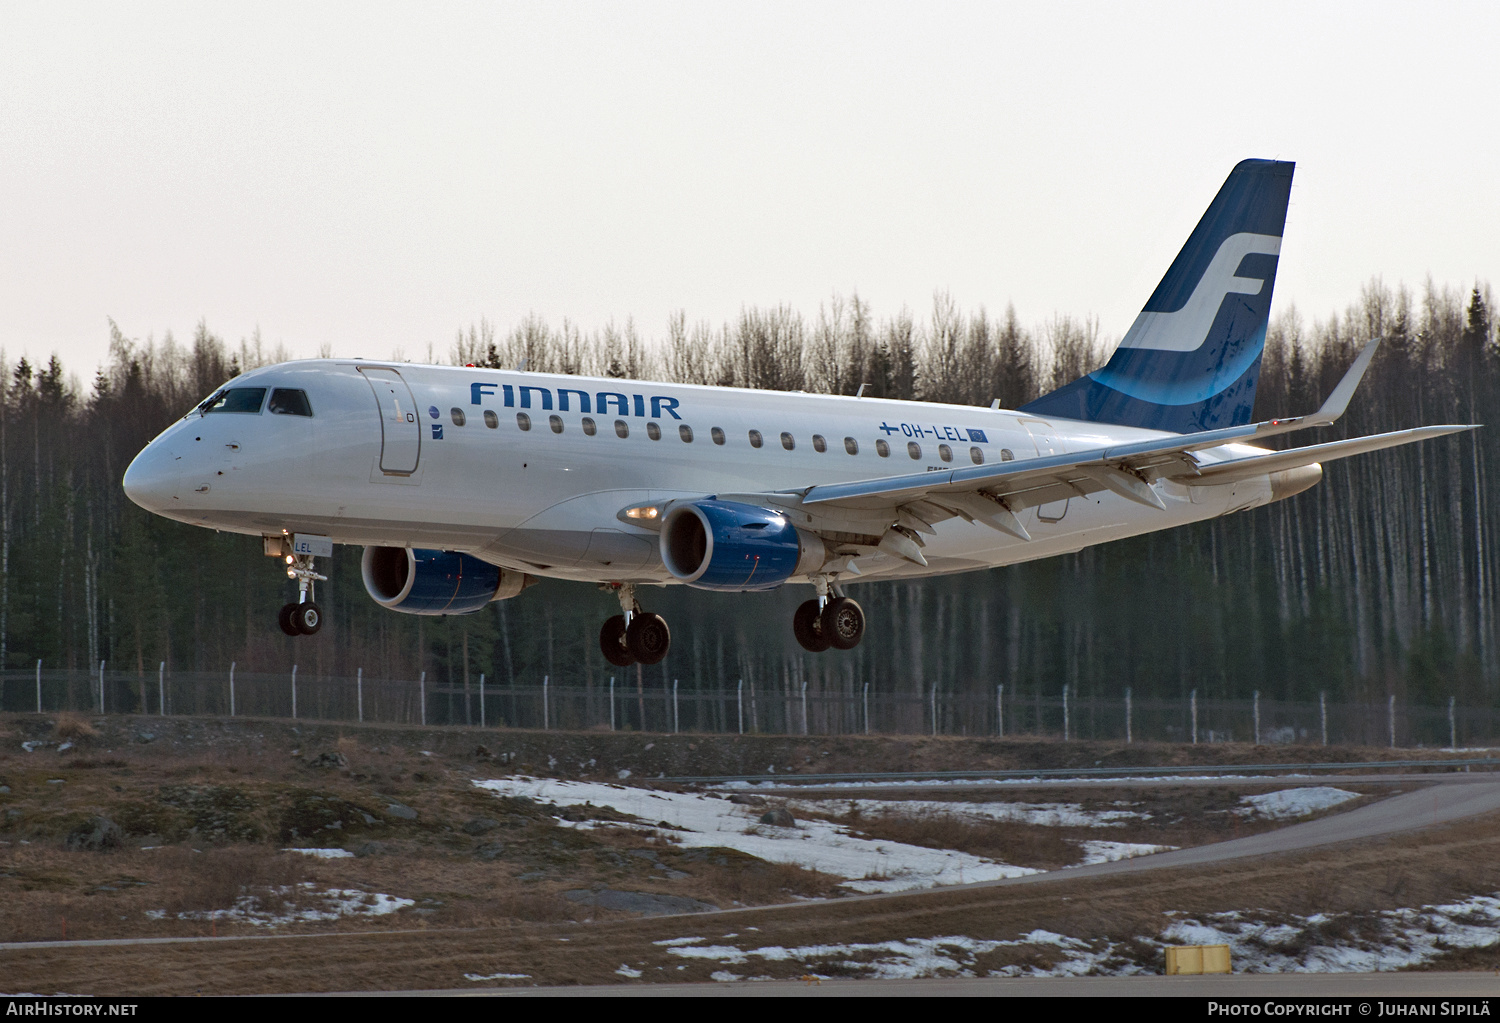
(422, 582)
(726, 545)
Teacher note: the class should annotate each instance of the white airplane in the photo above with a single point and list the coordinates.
(465, 485)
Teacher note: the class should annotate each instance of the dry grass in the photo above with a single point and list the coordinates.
(74, 726)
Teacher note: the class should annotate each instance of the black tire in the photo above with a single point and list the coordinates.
(308, 618)
(648, 638)
(612, 643)
(808, 628)
(284, 619)
(844, 623)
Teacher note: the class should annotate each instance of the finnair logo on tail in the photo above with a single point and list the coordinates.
(1186, 329)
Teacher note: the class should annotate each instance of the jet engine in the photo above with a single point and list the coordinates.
(422, 582)
(726, 545)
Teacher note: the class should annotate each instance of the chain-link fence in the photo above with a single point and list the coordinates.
(627, 702)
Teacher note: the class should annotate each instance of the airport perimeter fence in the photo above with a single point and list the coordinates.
(626, 702)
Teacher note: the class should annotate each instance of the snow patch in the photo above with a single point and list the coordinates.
(702, 820)
(1108, 852)
(1288, 803)
(324, 854)
(497, 976)
(330, 904)
(626, 971)
(1056, 815)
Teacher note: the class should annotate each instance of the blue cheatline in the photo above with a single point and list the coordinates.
(1191, 360)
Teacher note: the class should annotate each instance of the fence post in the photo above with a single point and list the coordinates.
(1323, 715)
(934, 708)
(38, 686)
(294, 692)
(739, 702)
(481, 700)
(546, 713)
(867, 708)
(101, 687)
(1193, 709)
(161, 687)
(804, 706)
(359, 693)
(421, 694)
(675, 728)
(1128, 737)
(1390, 715)
(1255, 713)
(1066, 722)
(1452, 726)
(1000, 710)
(611, 703)
(231, 689)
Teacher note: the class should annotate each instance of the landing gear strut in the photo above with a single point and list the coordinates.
(305, 617)
(829, 620)
(633, 636)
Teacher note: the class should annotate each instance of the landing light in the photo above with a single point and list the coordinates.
(290, 559)
(647, 513)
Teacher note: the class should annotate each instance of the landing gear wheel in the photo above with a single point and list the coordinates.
(308, 618)
(843, 623)
(648, 638)
(612, 643)
(284, 619)
(807, 625)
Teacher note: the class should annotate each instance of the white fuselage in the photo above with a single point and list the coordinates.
(369, 468)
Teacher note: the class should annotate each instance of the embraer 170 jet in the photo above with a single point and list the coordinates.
(465, 485)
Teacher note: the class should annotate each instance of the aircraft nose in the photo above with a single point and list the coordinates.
(153, 478)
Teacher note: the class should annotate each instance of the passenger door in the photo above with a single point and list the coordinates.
(400, 426)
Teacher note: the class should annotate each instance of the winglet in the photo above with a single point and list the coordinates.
(1338, 401)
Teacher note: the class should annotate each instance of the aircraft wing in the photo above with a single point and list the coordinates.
(992, 495)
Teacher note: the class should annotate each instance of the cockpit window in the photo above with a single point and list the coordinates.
(288, 402)
(235, 399)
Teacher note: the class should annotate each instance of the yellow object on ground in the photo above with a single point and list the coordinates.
(1197, 959)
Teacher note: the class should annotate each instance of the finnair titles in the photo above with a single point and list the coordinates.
(466, 485)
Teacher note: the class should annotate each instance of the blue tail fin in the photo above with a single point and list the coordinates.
(1191, 360)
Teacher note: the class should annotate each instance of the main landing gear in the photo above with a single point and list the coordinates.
(633, 636)
(305, 617)
(829, 620)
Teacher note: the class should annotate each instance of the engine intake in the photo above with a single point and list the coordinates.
(726, 545)
(422, 582)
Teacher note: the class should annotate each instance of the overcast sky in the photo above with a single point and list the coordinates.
(372, 176)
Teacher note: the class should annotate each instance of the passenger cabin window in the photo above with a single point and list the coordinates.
(523, 420)
(556, 423)
(288, 401)
(756, 440)
(458, 416)
(235, 399)
(787, 441)
(491, 420)
(977, 456)
(1007, 455)
(622, 428)
(819, 444)
(945, 452)
(589, 427)
(914, 449)
(851, 445)
(653, 431)
(717, 434)
(686, 433)
(882, 448)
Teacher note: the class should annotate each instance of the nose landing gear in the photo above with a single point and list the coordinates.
(305, 617)
(829, 620)
(633, 636)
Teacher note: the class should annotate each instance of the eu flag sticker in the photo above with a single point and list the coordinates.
(437, 431)
(978, 437)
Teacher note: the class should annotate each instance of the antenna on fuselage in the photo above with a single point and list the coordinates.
(521, 366)
(861, 392)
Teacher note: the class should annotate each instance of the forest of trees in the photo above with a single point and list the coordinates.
(1381, 580)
